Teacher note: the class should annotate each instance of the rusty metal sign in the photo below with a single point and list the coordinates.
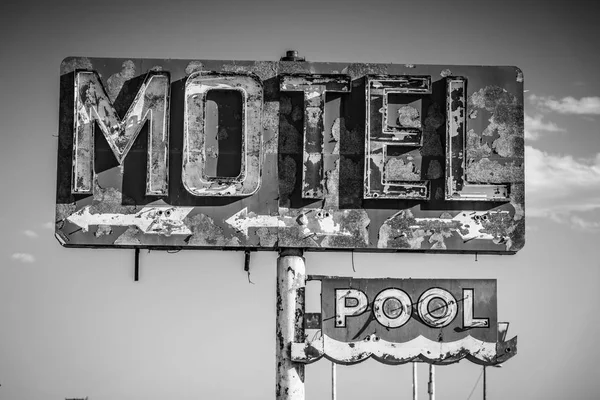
(256, 154)
(400, 320)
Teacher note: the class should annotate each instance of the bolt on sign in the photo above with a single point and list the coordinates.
(395, 321)
(313, 155)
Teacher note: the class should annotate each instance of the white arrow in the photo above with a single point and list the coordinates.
(321, 221)
(152, 220)
(241, 221)
(470, 221)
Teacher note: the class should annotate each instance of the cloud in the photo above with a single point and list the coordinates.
(568, 105)
(585, 225)
(535, 125)
(48, 225)
(560, 187)
(23, 257)
(29, 233)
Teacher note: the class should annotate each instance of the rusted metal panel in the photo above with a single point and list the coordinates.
(400, 320)
(195, 149)
(259, 154)
(395, 174)
(493, 177)
(314, 88)
(93, 106)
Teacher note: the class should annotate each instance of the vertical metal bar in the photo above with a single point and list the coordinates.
(415, 383)
(333, 381)
(136, 271)
(291, 284)
(484, 383)
(431, 386)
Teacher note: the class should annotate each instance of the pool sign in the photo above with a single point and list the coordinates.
(265, 155)
(401, 320)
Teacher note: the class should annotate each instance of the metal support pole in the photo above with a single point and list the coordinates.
(415, 383)
(484, 383)
(333, 381)
(291, 285)
(431, 386)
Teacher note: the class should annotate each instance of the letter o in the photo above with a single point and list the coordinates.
(450, 308)
(392, 308)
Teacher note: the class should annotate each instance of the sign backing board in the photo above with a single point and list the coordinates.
(321, 156)
(401, 320)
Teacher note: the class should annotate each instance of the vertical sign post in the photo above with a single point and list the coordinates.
(431, 385)
(333, 381)
(415, 390)
(484, 383)
(291, 284)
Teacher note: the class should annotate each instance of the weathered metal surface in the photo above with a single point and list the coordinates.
(396, 321)
(195, 149)
(93, 106)
(291, 287)
(314, 88)
(389, 175)
(258, 154)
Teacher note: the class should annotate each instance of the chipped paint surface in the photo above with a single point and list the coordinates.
(483, 179)
(150, 220)
(290, 293)
(418, 349)
(330, 156)
(314, 88)
(390, 176)
(195, 178)
(94, 106)
(400, 320)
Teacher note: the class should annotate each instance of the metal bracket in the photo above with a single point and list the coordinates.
(136, 271)
(292, 55)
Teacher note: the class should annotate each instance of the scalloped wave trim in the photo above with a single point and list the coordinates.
(417, 349)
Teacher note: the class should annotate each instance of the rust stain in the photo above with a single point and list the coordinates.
(194, 66)
(358, 70)
(206, 232)
(72, 64)
(103, 230)
(396, 169)
(195, 180)
(132, 236)
(93, 104)
(116, 81)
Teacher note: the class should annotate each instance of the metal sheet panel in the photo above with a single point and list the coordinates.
(395, 321)
(400, 310)
(321, 156)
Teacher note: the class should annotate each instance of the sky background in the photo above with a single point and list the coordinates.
(73, 323)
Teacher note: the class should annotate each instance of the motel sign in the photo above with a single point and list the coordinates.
(265, 155)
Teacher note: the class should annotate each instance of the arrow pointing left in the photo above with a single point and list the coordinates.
(151, 220)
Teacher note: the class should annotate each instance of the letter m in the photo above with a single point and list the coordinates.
(94, 107)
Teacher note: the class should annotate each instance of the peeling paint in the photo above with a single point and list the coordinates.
(485, 142)
(116, 81)
(396, 169)
(194, 66)
(358, 70)
(491, 171)
(72, 64)
(314, 88)
(434, 171)
(206, 232)
(103, 230)
(194, 176)
(130, 237)
(468, 179)
(93, 105)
